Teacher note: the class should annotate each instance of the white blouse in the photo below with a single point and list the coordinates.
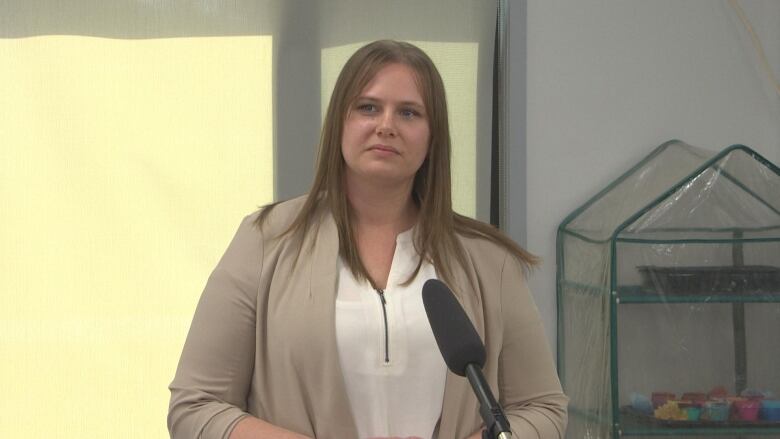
(393, 370)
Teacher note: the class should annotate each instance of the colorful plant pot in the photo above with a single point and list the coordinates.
(770, 410)
(641, 403)
(694, 397)
(693, 413)
(716, 411)
(717, 392)
(747, 409)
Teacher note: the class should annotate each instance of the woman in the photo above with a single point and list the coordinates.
(312, 323)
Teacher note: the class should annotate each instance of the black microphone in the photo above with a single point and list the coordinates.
(463, 352)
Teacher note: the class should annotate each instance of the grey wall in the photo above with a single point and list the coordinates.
(609, 80)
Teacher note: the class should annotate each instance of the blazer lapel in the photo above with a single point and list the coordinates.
(339, 421)
(460, 409)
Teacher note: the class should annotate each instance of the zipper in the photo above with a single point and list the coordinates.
(381, 293)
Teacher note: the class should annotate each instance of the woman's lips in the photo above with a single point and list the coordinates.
(383, 148)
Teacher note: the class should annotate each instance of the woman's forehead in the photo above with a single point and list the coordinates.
(395, 81)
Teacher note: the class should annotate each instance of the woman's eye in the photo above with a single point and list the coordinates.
(367, 108)
(409, 113)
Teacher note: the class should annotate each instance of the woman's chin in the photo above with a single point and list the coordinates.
(389, 178)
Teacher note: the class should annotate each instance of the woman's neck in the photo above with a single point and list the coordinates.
(384, 207)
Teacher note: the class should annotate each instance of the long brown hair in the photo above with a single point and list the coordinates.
(438, 225)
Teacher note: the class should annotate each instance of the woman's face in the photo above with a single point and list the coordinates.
(386, 132)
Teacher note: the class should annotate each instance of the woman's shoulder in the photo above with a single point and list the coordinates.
(274, 219)
(480, 238)
(489, 248)
(482, 250)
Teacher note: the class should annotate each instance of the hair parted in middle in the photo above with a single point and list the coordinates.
(435, 236)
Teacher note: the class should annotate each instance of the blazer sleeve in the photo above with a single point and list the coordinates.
(209, 390)
(529, 388)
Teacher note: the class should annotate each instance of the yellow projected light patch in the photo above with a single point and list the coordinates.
(125, 168)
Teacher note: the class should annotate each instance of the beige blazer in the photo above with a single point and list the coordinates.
(263, 342)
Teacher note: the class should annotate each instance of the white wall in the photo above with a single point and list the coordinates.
(609, 80)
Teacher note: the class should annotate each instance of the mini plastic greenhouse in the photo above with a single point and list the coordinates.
(669, 299)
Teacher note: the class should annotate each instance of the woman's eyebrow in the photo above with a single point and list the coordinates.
(412, 104)
(403, 103)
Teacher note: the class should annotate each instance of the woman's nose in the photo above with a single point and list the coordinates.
(386, 125)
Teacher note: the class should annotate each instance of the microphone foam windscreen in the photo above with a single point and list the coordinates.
(458, 341)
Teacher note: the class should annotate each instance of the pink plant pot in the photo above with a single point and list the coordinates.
(747, 410)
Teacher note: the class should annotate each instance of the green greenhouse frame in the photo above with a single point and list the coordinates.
(599, 287)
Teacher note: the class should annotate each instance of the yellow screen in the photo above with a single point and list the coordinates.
(125, 168)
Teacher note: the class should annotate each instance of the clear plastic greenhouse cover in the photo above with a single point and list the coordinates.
(669, 297)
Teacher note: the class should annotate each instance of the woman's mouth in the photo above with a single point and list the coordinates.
(383, 148)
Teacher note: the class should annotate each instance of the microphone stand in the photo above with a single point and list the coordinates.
(496, 423)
